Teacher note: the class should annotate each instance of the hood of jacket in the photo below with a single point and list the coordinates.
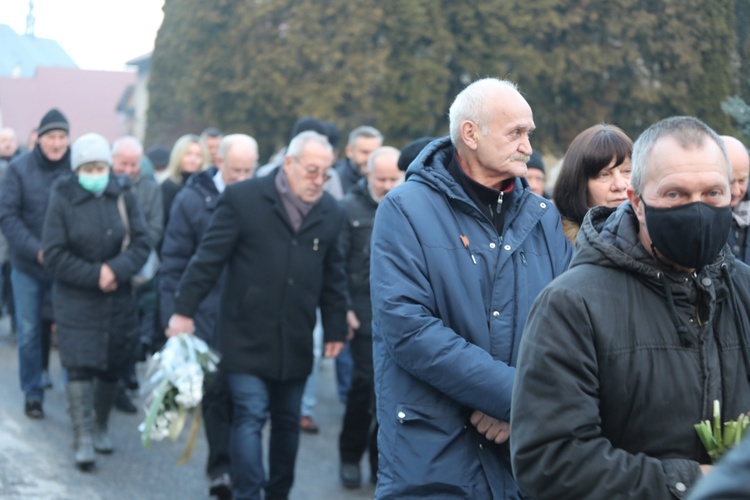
(609, 238)
(203, 184)
(430, 167)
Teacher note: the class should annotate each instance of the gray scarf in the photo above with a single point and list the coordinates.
(296, 209)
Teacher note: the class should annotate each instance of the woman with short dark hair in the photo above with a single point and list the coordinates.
(595, 172)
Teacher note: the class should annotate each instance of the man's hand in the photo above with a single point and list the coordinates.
(107, 279)
(492, 428)
(706, 468)
(179, 324)
(353, 323)
(40, 257)
(332, 349)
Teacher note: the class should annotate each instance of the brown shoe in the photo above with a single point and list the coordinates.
(307, 424)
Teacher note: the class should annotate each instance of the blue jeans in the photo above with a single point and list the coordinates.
(310, 396)
(254, 398)
(344, 367)
(28, 293)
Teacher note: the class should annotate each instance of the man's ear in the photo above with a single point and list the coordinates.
(637, 203)
(469, 134)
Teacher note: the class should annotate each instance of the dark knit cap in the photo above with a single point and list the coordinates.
(308, 123)
(53, 120)
(159, 156)
(410, 152)
(332, 132)
(535, 161)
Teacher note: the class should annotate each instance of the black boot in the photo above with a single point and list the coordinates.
(104, 398)
(80, 408)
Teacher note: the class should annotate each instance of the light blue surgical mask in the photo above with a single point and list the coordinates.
(94, 183)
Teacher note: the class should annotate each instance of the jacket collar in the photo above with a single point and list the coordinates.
(270, 193)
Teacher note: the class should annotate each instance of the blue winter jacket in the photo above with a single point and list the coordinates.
(450, 299)
(189, 217)
(24, 198)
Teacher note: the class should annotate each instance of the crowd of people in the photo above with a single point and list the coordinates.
(494, 337)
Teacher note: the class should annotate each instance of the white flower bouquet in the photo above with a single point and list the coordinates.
(174, 384)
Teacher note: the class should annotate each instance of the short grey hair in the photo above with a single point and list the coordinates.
(472, 104)
(378, 152)
(363, 131)
(231, 140)
(7, 131)
(688, 131)
(300, 141)
(128, 143)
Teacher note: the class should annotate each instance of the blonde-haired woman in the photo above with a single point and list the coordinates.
(189, 156)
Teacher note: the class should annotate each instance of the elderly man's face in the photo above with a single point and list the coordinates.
(8, 143)
(503, 152)
(307, 173)
(677, 176)
(54, 144)
(239, 163)
(125, 162)
(536, 180)
(385, 175)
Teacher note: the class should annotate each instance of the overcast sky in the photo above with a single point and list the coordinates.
(96, 34)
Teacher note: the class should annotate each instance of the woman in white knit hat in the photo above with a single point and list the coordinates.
(94, 241)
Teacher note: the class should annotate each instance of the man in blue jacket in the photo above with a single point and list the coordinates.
(23, 205)
(459, 253)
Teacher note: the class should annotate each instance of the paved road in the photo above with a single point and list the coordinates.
(36, 459)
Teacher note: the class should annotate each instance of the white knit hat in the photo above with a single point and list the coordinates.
(89, 148)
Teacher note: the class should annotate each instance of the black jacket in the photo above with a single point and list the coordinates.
(607, 388)
(355, 243)
(24, 198)
(275, 280)
(82, 231)
(347, 173)
(191, 212)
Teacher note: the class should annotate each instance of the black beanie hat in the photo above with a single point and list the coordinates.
(308, 123)
(410, 152)
(159, 156)
(535, 161)
(53, 120)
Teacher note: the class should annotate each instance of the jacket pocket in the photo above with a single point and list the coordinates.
(430, 450)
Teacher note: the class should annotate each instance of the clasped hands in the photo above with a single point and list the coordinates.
(492, 428)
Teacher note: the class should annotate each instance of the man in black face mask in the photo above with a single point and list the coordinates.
(627, 350)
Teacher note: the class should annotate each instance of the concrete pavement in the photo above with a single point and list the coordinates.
(36, 457)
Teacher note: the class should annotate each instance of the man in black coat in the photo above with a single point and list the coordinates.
(278, 237)
(359, 431)
(23, 205)
(191, 212)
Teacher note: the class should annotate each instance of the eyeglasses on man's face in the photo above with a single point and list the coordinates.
(312, 173)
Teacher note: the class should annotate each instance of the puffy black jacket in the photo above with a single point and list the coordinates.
(355, 242)
(607, 390)
(82, 231)
(191, 212)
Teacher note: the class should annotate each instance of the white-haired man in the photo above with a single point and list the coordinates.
(236, 159)
(459, 252)
(278, 238)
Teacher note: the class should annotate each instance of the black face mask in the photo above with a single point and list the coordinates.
(691, 235)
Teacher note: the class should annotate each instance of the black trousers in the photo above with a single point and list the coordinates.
(359, 429)
(217, 421)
